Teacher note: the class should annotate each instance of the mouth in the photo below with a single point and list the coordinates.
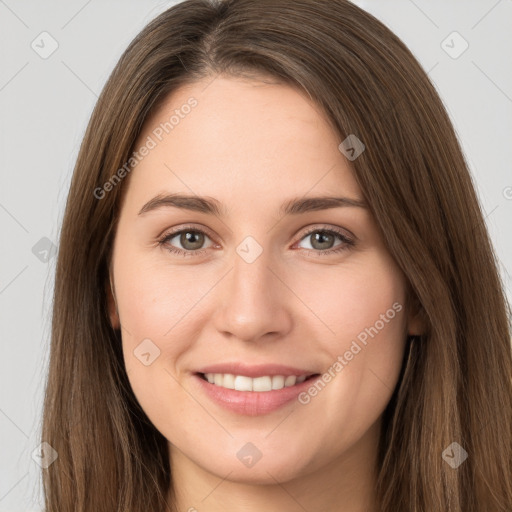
(260, 384)
(252, 390)
(252, 396)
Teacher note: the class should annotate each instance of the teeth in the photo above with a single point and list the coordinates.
(277, 382)
(228, 381)
(243, 383)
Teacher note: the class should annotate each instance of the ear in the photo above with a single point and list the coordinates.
(416, 324)
(112, 305)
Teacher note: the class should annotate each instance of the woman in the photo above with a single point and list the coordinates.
(202, 357)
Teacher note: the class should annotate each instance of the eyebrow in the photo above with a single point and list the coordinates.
(209, 205)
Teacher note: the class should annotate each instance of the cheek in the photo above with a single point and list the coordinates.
(155, 308)
(161, 312)
(153, 298)
(363, 305)
(355, 300)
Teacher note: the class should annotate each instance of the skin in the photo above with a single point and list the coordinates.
(252, 145)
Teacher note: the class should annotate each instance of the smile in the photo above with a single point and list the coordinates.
(252, 396)
(258, 384)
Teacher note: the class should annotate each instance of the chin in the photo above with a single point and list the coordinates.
(268, 469)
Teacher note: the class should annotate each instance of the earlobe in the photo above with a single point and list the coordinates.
(415, 320)
(112, 305)
(414, 328)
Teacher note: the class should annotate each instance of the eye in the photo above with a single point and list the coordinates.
(322, 241)
(191, 240)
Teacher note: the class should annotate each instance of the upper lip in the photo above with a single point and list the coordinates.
(260, 370)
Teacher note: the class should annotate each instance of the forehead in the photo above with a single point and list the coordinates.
(241, 141)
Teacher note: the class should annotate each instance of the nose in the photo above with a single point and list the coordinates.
(255, 301)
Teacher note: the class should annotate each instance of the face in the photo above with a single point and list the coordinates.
(302, 312)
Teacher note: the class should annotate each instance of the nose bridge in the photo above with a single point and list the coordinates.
(250, 279)
(254, 302)
(253, 286)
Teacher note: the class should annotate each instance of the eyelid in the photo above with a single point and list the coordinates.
(192, 227)
(327, 227)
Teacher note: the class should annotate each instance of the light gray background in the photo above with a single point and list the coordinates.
(45, 104)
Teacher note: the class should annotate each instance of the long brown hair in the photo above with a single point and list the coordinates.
(457, 385)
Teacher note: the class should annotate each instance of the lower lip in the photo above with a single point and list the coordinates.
(252, 403)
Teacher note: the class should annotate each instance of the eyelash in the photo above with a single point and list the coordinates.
(346, 244)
